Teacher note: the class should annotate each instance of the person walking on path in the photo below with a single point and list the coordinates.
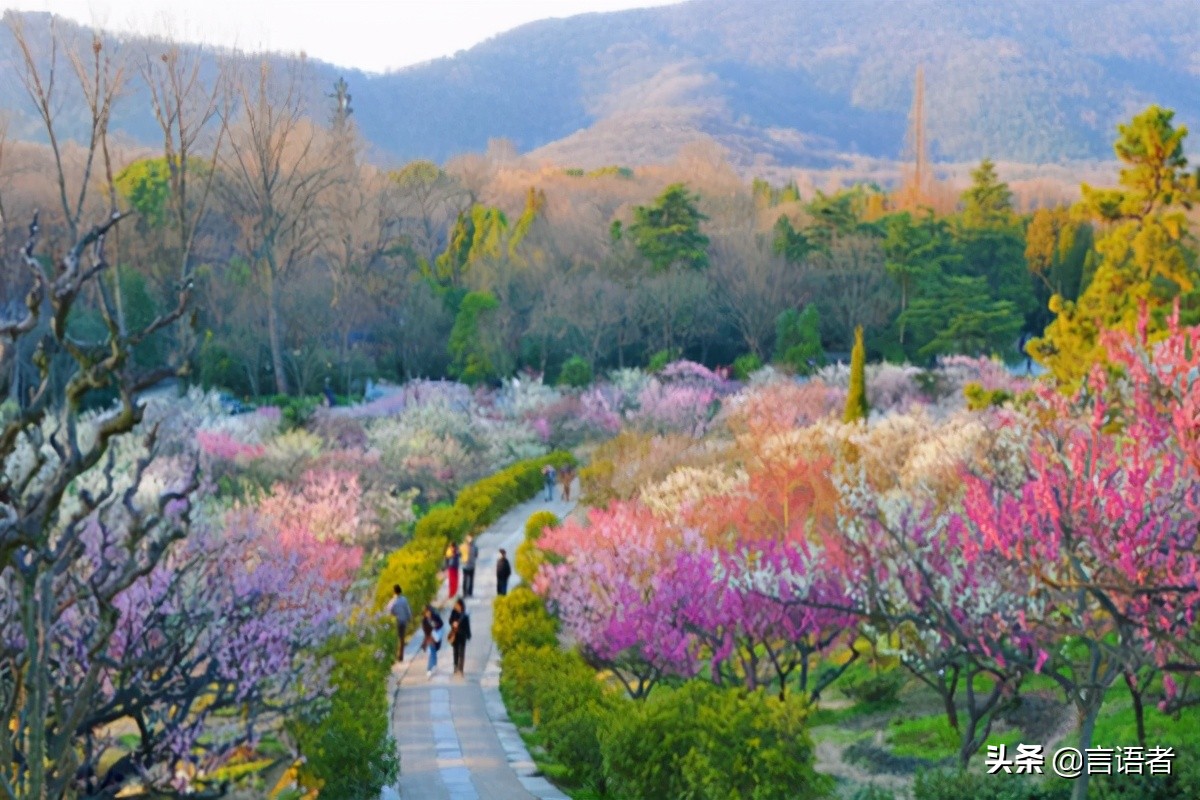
(400, 609)
(564, 479)
(450, 564)
(469, 553)
(433, 628)
(503, 571)
(549, 474)
(460, 634)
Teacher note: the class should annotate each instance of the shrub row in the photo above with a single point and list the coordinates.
(529, 556)
(483, 502)
(568, 702)
(520, 619)
(348, 751)
(698, 741)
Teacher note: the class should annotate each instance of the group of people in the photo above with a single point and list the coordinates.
(564, 477)
(434, 628)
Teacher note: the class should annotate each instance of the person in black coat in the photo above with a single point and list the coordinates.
(433, 628)
(503, 571)
(460, 634)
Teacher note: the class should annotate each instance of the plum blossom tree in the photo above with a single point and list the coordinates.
(606, 593)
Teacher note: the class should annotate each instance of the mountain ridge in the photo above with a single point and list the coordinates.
(793, 83)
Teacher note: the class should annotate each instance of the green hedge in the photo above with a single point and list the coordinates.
(347, 749)
(703, 741)
(520, 618)
(538, 521)
(415, 568)
(485, 501)
(698, 741)
(529, 557)
(528, 560)
(569, 704)
(955, 785)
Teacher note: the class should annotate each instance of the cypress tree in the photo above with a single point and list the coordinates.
(856, 399)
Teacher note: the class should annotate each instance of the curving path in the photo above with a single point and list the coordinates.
(454, 736)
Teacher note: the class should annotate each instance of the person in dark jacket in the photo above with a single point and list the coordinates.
(433, 627)
(460, 634)
(400, 609)
(503, 571)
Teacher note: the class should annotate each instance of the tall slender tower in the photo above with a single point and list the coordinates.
(918, 177)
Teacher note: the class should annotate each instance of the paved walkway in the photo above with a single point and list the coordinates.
(455, 739)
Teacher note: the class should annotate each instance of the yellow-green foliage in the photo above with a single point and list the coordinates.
(348, 749)
(595, 480)
(414, 567)
(530, 557)
(537, 522)
(443, 523)
(1145, 258)
(705, 741)
(529, 560)
(979, 398)
(483, 502)
(856, 398)
(521, 619)
(571, 705)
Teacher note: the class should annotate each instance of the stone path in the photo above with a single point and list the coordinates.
(455, 739)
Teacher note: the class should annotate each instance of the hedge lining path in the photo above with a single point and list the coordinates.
(454, 736)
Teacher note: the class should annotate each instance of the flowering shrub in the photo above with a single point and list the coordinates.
(224, 447)
(780, 405)
(327, 506)
(690, 372)
(678, 407)
(684, 487)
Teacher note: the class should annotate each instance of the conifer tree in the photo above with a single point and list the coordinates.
(1146, 254)
(856, 399)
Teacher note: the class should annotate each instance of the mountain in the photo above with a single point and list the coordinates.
(791, 82)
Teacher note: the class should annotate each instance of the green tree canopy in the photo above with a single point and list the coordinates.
(962, 315)
(798, 340)
(1145, 257)
(472, 358)
(988, 201)
(667, 233)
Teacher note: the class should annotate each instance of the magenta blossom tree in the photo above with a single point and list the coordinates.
(608, 593)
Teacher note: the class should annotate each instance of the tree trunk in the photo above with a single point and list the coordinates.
(281, 382)
(1087, 727)
(1139, 710)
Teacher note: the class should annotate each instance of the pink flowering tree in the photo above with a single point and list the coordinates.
(912, 572)
(760, 638)
(226, 621)
(607, 592)
(1105, 533)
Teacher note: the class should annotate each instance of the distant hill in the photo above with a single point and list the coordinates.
(789, 82)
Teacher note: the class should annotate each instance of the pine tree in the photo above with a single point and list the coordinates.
(1145, 255)
(856, 399)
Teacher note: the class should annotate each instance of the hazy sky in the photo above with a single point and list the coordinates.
(373, 35)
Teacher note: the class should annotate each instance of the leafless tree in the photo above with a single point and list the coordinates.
(276, 166)
(754, 285)
(852, 287)
(424, 201)
(45, 528)
(191, 113)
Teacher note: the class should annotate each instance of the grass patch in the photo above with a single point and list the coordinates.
(1117, 727)
(923, 737)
